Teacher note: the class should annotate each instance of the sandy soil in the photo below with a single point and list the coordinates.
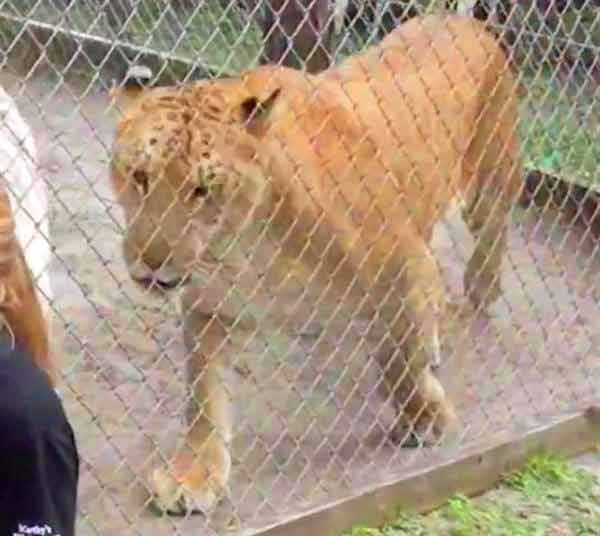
(298, 442)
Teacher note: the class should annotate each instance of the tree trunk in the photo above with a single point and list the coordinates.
(297, 33)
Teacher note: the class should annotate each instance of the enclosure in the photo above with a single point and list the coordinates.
(309, 429)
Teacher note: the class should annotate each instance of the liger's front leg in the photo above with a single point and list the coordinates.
(198, 475)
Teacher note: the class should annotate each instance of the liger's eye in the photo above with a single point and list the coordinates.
(199, 191)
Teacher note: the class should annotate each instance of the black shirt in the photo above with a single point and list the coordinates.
(39, 463)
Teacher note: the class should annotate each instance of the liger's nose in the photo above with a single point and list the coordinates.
(155, 282)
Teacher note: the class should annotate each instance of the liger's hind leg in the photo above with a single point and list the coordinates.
(493, 174)
(425, 411)
(487, 220)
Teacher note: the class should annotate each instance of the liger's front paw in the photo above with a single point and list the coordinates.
(176, 497)
(428, 418)
(197, 489)
(427, 431)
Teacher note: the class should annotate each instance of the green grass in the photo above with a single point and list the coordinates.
(549, 497)
(559, 146)
(560, 132)
(218, 38)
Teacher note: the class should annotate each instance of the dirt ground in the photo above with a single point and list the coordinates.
(298, 443)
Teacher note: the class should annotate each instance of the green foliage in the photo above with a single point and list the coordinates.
(549, 496)
(545, 473)
(560, 132)
(557, 145)
(219, 38)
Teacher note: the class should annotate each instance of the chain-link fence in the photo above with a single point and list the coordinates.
(312, 352)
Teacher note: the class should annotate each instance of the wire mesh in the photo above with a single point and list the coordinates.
(300, 326)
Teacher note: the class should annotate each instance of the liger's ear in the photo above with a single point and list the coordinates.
(137, 80)
(255, 113)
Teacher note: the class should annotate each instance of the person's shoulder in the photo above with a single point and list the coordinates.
(27, 400)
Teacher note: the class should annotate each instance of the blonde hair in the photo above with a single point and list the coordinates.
(20, 310)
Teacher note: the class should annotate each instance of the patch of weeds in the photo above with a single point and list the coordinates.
(546, 473)
(219, 36)
(558, 145)
(469, 518)
(560, 131)
(549, 497)
(361, 530)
